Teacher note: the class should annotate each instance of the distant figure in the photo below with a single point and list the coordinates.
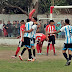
(41, 28)
(62, 33)
(18, 27)
(1, 27)
(5, 31)
(14, 29)
(58, 27)
(9, 29)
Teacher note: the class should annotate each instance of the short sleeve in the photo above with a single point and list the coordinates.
(34, 27)
(62, 29)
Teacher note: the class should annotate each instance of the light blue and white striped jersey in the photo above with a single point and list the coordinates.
(28, 26)
(34, 27)
(68, 33)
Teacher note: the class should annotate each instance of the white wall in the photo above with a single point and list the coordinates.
(8, 41)
(12, 17)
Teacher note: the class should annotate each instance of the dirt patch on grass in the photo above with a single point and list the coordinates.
(6, 55)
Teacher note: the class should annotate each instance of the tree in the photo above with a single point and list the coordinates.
(15, 6)
(44, 6)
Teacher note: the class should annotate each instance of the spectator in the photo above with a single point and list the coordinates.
(1, 27)
(14, 29)
(58, 27)
(62, 33)
(9, 29)
(5, 31)
(18, 26)
(41, 28)
(45, 25)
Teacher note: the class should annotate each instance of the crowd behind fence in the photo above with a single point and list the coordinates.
(13, 29)
(10, 29)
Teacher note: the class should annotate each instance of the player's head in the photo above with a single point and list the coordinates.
(34, 19)
(51, 22)
(40, 21)
(67, 21)
(22, 22)
(28, 20)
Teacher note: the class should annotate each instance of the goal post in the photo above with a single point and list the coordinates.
(52, 7)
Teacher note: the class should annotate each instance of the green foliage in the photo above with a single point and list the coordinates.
(24, 4)
(44, 5)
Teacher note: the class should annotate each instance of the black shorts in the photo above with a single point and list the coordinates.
(26, 41)
(21, 44)
(52, 39)
(68, 45)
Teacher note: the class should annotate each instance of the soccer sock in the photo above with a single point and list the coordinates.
(53, 49)
(47, 49)
(29, 50)
(40, 51)
(69, 57)
(23, 51)
(34, 52)
(18, 49)
(65, 55)
(37, 46)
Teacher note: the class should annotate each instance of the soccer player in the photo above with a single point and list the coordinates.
(21, 42)
(32, 31)
(50, 28)
(40, 38)
(68, 41)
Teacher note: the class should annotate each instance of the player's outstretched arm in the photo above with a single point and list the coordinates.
(54, 32)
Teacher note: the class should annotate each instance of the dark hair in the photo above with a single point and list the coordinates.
(67, 21)
(28, 20)
(39, 20)
(3, 24)
(22, 20)
(35, 18)
(51, 21)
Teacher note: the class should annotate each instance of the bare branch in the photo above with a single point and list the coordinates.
(9, 5)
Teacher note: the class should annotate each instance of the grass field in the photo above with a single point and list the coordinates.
(42, 64)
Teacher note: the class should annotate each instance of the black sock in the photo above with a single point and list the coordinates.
(65, 55)
(34, 52)
(29, 50)
(23, 51)
(69, 56)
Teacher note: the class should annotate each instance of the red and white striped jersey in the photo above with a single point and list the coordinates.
(50, 29)
(22, 27)
(40, 37)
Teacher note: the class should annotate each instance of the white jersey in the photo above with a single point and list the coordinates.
(34, 27)
(68, 33)
(28, 26)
